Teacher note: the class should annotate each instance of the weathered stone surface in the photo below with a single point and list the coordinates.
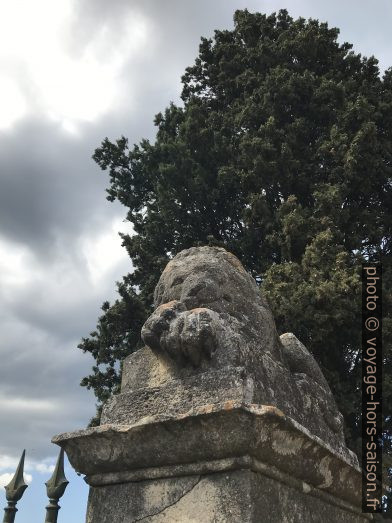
(241, 496)
(176, 397)
(209, 286)
(167, 390)
(208, 434)
(218, 418)
(211, 316)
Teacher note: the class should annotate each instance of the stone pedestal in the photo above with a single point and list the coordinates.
(239, 496)
(231, 462)
(218, 419)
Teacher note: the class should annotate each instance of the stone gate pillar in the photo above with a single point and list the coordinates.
(218, 419)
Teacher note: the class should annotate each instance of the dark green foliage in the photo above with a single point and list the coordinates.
(117, 335)
(282, 153)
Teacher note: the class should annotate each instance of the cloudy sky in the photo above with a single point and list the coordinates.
(71, 73)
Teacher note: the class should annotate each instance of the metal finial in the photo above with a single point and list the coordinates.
(14, 491)
(15, 488)
(55, 488)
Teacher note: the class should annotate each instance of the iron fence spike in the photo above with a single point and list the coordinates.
(55, 488)
(16, 487)
(14, 491)
(57, 483)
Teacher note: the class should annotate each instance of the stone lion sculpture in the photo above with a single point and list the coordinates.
(209, 314)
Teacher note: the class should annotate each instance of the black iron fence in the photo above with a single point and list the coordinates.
(55, 488)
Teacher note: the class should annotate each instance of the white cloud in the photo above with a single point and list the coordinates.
(13, 104)
(7, 476)
(104, 251)
(9, 464)
(40, 65)
(14, 262)
(44, 468)
(28, 405)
